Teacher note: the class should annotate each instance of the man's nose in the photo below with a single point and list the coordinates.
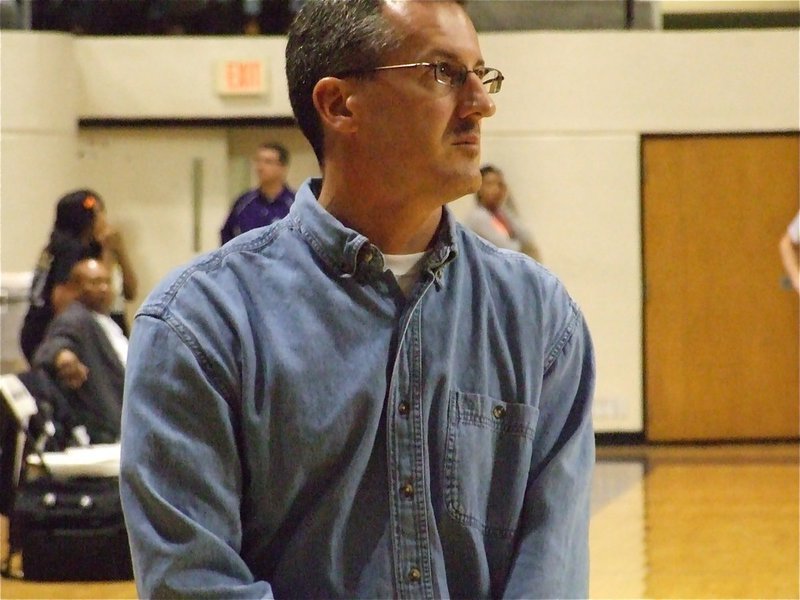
(474, 99)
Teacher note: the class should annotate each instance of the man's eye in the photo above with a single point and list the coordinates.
(446, 70)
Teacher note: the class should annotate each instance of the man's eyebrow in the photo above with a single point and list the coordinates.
(450, 57)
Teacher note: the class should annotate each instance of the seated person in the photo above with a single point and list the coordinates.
(86, 351)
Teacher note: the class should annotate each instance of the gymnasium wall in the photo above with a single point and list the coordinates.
(566, 132)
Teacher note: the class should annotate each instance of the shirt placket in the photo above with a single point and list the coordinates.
(407, 464)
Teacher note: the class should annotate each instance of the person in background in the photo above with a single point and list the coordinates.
(124, 282)
(266, 16)
(364, 399)
(81, 230)
(80, 221)
(494, 218)
(86, 351)
(789, 248)
(267, 203)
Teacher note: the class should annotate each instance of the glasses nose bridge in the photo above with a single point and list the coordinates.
(478, 81)
(475, 97)
(464, 75)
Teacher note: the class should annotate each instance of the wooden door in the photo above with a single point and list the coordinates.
(721, 333)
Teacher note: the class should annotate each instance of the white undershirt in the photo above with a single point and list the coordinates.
(405, 268)
(114, 334)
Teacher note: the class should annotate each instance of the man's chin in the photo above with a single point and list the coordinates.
(472, 179)
(455, 178)
(466, 188)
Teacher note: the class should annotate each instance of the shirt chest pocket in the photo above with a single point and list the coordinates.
(487, 459)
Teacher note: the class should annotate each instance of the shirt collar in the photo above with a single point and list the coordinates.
(282, 196)
(349, 253)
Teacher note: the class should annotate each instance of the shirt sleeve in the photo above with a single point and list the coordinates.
(180, 473)
(552, 557)
(480, 221)
(61, 334)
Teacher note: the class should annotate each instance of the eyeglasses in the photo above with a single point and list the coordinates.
(447, 74)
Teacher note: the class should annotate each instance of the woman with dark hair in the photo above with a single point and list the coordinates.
(494, 218)
(80, 231)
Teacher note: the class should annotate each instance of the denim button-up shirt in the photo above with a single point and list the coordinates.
(294, 426)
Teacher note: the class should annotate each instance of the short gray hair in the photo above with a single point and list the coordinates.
(327, 38)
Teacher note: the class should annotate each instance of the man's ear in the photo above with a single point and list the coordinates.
(331, 96)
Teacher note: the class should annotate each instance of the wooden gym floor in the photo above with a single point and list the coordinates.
(667, 522)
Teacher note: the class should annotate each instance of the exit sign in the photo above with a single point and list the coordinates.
(241, 78)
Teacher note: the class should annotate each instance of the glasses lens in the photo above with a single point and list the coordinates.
(492, 80)
(450, 74)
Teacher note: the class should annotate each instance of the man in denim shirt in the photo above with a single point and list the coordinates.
(364, 399)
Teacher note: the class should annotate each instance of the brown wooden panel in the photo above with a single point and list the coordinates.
(721, 336)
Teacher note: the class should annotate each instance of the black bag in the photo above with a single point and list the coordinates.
(71, 530)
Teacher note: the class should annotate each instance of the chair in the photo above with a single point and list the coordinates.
(63, 505)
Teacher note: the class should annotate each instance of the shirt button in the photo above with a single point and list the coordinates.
(499, 411)
(407, 490)
(403, 408)
(414, 575)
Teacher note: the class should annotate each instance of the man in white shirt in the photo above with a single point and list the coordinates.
(86, 351)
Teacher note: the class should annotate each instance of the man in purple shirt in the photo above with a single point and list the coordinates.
(267, 203)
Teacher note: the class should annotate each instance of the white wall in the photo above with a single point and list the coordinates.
(566, 133)
(646, 81)
(556, 82)
(144, 77)
(154, 186)
(38, 140)
(38, 129)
